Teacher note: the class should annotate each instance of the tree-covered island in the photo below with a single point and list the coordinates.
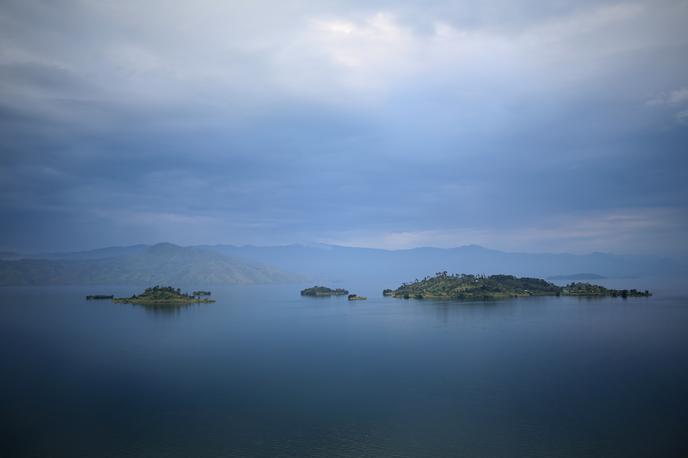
(322, 291)
(163, 296)
(482, 287)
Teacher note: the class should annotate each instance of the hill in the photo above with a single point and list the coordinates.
(581, 276)
(327, 263)
(331, 263)
(163, 263)
(9, 255)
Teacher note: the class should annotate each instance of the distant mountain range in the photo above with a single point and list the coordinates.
(577, 277)
(163, 264)
(228, 264)
(330, 262)
(9, 255)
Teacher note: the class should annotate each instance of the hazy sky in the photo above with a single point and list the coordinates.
(514, 124)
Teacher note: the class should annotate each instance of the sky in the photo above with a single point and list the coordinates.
(557, 126)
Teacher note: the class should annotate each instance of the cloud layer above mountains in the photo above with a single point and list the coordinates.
(391, 124)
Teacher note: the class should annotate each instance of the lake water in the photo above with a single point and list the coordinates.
(265, 372)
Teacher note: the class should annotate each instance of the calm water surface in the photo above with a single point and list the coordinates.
(266, 372)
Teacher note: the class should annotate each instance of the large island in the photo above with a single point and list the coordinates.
(164, 296)
(482, 287)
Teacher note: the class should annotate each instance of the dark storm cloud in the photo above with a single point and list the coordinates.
(512, 124)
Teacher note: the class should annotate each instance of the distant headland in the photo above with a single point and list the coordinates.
(481, 287)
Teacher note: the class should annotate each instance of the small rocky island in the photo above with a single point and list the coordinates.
(482, 287)
(165, 296)
(322, 291)
(356, 297)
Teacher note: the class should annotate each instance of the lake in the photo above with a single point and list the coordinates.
(265, 372)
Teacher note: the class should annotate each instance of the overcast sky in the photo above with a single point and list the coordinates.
(514, 124)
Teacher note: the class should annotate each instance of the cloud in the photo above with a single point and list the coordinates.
(671, 100)
(581, 233)
(682, 117)
(269, 122)
(676, 97)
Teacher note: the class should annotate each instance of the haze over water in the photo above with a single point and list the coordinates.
(266, 372)
(354, 144)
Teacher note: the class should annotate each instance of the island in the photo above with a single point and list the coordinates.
(590, 290)
(163, 296)
(201, 293)
(482, 287)
(356, 297)
(96, 297)
(322, 291)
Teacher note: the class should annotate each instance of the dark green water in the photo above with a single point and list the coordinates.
(265, 372)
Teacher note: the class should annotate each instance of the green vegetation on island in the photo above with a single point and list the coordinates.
(482, 287)
(356, 297)
(321, 291)
(201, 293)
(163, 296)
(590, 290)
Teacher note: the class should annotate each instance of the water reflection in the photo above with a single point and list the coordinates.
(266, 372)
(447, 310)
(166, 310)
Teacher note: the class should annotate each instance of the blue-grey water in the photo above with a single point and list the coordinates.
(265, 372)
